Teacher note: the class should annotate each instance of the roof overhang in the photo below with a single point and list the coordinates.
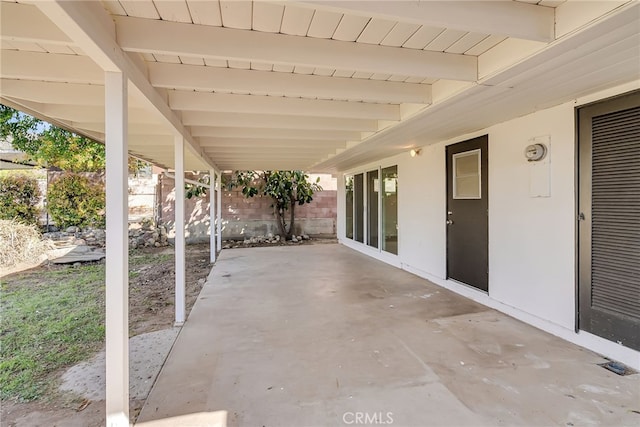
(315, 85)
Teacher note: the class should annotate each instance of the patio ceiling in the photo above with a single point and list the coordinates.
(321, 85)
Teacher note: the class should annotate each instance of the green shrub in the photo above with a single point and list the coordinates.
(19, 196)
(73, 200)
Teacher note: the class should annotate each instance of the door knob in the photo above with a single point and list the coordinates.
(449, 222)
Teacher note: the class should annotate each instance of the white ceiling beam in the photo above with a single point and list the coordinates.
(257, 152)
(193, 77)
(53, 92)
(20, 105)
(233, 103)
(28, 106)
(506, 18)
(79, 113)
(56, 92)
(26, 23)
(50, 67)
(245, 157)
(200, 118)
(157, 142)
(203, 41)
(92, 29)
(134, 128)
(271, 143)
(265, 165)
(231, 165)
(270, 133)
(83, 113)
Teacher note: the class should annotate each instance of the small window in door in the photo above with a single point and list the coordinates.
(466, 175)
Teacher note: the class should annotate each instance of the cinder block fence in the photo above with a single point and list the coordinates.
(249, 217)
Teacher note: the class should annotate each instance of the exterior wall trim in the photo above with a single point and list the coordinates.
(380, 255)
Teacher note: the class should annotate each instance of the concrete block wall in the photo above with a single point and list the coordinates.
(249, 217)
(196, 210)
(241, 217)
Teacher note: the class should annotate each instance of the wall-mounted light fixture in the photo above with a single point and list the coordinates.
(415, 152)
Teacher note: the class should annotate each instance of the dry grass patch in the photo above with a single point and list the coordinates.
(20, 243)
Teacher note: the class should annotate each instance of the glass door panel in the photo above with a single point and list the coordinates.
(349, 207)
(390, 209)
(358, 196)
(373, 189)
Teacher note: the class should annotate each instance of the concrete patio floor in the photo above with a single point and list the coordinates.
(324, 336)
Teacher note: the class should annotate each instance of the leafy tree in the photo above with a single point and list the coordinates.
(193, 190)
(19, 196)
(285, 188)
(74, 200)
(50, 145)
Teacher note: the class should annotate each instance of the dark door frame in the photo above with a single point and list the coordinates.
(482, 143)
(583, 184)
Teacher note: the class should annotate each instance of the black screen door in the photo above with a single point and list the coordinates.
(609, 219)
(467, 213)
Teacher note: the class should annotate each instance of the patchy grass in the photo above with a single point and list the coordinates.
(53, 317)
(138, 258)
(50, 320)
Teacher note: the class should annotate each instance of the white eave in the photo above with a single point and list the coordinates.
(322, 85)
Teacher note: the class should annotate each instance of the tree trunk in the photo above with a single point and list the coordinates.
(292, 216)
(281, 225)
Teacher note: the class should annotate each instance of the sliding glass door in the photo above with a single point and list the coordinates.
(390, 209)
(358, 207)
(349, 207)
(371, 210)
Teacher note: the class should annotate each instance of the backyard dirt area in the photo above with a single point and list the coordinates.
(151, 284)
(151, 309)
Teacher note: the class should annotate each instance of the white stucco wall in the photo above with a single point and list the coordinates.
(422, 210)
(532, 240)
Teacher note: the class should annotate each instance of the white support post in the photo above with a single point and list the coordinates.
(117, 251)
(179, 231)
(219, 210)
(212, 216)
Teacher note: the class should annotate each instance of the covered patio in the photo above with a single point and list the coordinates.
(351, 88)
(323, 335)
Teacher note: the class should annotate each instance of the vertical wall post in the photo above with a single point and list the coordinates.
(212, 215)
(219, 210)
(381, 241)
(180, 292)
(117, 252)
